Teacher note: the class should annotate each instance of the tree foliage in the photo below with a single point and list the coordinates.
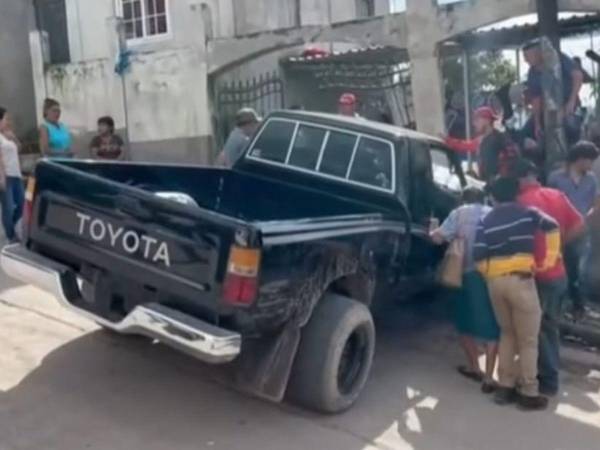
(489, 72)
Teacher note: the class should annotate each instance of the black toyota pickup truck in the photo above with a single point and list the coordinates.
(272, 266)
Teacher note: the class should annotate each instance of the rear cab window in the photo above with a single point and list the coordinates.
(327, 152)
(337, 154)
(274, 141)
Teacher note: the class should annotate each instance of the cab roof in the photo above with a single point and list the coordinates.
(356, 124)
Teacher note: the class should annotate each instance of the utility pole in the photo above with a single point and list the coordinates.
(554, 135)
(548, 21)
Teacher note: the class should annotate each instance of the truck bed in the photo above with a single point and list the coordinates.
(129, 247)
(239, 195)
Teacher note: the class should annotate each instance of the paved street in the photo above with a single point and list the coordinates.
(65, 385)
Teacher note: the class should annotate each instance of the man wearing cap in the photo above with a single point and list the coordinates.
(552, 282)
(495, 155)
(572, 81)
(246, 124)
(347, 105)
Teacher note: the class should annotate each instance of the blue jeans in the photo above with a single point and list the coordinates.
(13, 199)
(551, 295)
(576, 255)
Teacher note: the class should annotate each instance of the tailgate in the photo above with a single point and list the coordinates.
(82, 219)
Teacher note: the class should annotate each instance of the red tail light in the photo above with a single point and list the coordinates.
(28, 207)
(241, 281)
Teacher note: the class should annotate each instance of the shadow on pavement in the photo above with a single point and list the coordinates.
(102, 391)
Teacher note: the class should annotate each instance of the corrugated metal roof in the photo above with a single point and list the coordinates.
(379, 54)
(514, 36)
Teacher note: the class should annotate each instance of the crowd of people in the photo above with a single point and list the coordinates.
(55, 141)
(527, 245)
(524, 256)
(531, 249)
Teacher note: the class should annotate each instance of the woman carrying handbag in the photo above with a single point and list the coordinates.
(474, 316)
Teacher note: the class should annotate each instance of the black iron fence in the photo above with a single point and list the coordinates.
(264, 93)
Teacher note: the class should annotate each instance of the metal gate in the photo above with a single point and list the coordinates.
(263, 93)
(379, 76)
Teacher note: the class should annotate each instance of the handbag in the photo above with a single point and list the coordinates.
(451, 269)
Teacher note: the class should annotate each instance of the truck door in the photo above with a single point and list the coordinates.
(436, 181)
(448, 181)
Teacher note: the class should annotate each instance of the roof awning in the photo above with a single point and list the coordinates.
(376, 55)
(514, 36)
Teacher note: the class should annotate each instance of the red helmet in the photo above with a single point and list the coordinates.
(347, 99)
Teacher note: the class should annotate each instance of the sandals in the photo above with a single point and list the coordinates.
(473, 375)
(489, 386)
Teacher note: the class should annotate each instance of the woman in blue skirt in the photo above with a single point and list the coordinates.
(474, 316)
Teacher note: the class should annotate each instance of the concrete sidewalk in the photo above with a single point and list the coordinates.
(65, 385)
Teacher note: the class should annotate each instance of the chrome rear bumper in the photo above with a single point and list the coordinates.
(174, 328)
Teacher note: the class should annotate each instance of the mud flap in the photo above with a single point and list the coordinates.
(264, 366)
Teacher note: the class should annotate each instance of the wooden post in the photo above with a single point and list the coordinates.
(467, 100)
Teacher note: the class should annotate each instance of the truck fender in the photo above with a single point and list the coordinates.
(264, 366)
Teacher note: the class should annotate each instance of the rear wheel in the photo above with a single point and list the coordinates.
(334, 356)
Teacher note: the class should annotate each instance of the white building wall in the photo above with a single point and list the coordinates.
(167, 96)
(86, 90)
(164, 91)
(252, 16)
(88, 28)
(343, 10)
(15, 66)
(91, 28)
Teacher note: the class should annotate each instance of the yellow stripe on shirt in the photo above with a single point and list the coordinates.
(501, 266)
(553, 251)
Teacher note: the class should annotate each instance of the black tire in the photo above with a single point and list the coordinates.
(334, 357)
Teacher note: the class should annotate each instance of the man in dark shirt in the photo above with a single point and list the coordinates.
(579, 183)
(247, 122)
(493, 146)
(505, 253)
(572, 80)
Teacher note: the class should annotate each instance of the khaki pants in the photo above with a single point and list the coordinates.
(518, 311)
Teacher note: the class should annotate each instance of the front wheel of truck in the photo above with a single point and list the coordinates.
(334, 356)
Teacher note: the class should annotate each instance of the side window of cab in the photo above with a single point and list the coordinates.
(445, 170)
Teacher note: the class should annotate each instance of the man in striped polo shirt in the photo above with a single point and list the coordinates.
(505, 252)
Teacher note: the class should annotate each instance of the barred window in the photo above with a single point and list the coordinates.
(145, 18)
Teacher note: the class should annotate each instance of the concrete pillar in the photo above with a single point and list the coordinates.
(36, 49)
(428, 95)
(427, 83)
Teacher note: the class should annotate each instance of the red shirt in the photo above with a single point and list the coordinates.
(555, 204)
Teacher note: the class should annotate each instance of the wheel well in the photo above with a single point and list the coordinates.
(358, 286)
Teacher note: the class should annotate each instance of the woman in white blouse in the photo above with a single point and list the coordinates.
(13, 196)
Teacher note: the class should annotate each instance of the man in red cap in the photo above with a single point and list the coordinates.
(496, 153)
(347, 105)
